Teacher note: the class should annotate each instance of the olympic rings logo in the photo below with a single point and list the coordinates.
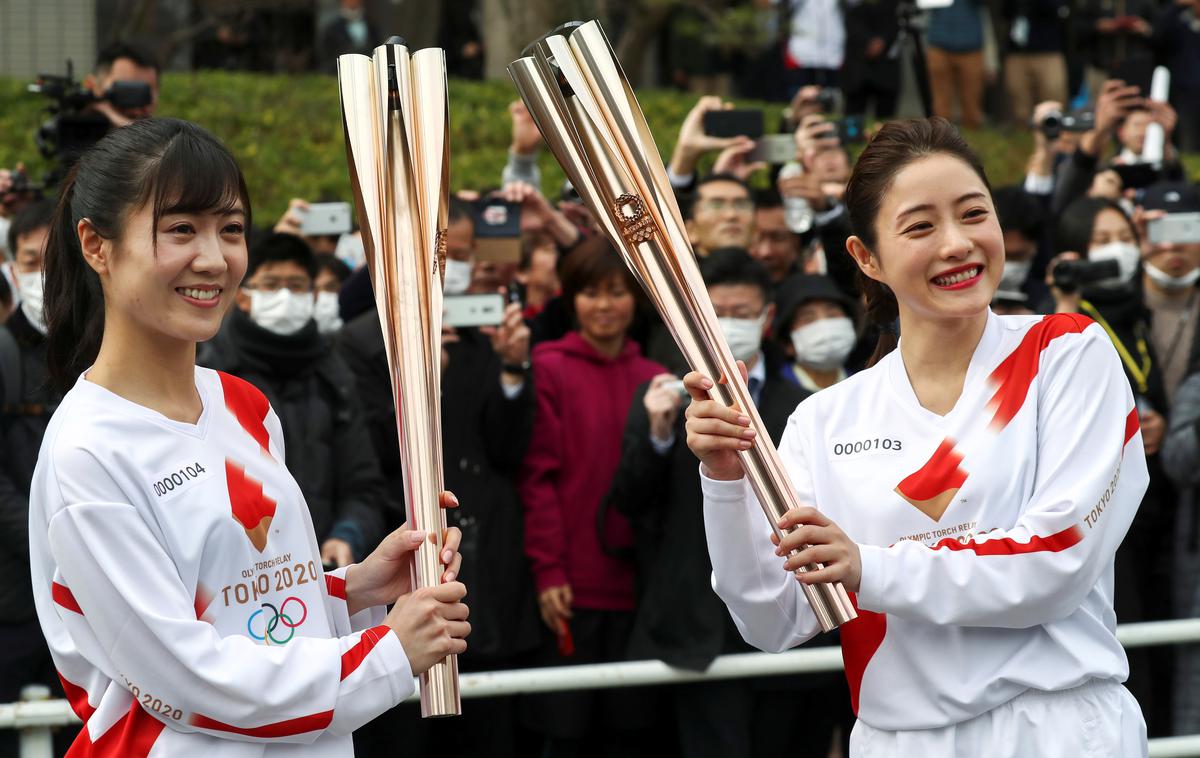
(278, 618)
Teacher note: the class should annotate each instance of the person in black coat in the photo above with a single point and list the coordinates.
(870, 73)
(679, 618)
(271, 341)
(29, 399)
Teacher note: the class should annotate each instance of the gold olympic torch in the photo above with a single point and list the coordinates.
(579, 97)
(395, 113)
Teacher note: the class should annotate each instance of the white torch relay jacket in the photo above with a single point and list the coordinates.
(987, 535)
(179, 585)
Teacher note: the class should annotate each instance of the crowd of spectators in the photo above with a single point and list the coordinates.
(562, 423)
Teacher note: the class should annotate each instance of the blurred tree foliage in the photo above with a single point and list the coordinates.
(286, 132)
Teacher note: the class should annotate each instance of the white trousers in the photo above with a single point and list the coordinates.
(1099, 719)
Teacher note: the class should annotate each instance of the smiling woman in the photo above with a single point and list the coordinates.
(169, 544)
(969, 536)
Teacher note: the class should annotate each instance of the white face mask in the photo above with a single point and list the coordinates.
(458, 277)
(744, 335)
(824, 344)
(327, 313)
(1126, 254)
(30, 285)
(1168, 282)
(282, 312)
(1015, 274)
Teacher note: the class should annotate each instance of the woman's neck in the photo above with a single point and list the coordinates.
(609, 347)
(822, 378)
(936, 356)
(149, 369)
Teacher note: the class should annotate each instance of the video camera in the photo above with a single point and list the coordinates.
(73, 126)
(1070, 276)
(1054, 123)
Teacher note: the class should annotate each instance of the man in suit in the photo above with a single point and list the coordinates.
(679, 619)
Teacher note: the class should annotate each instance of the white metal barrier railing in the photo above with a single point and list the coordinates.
(34, 718)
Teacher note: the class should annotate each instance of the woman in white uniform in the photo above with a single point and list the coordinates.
(969, 489)
(176, 574)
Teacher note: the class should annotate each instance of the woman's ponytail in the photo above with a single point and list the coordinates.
(73, 301)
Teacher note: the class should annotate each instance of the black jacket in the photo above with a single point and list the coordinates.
(484, 438)
(865, 21)
(21, 430)
(326, 445)
(679, 619)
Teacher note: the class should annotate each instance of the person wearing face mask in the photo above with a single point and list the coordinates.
(332, 272)
(1169, 275)
(29, 399)
(1021, 220)
(272, 341)
(1101, 230)
(679, 619)
(816, 328)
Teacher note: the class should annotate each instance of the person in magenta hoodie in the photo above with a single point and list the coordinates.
(585, 383)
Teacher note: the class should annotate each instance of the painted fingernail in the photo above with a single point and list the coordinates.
(449, 577)
(749, 433)
(706, 383)
(743, 420)
(417, 536)
(447, 556)
(744, 444)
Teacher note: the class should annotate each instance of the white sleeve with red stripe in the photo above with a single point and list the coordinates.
(764, 600)
(1091, 475)
(136, 608)
(335, 602)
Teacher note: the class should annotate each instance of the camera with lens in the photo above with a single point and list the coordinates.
(1054, 123)
(1071, 276)
(73, 125)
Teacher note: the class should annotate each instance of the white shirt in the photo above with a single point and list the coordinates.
(987, 535)
(178, 582)
(818, 34)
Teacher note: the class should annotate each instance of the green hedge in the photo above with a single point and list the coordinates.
(287, 134)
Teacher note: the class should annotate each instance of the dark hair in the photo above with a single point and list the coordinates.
(36, 215)
(592, 261)
(460, 210)
(334, 265)
(531, 242)
(1017, 211)
(117, 50)
(1075, 225)
(278, 247)
(893, 147)
(767, 198)
(176, 166)
(688, 204)
(733, 265)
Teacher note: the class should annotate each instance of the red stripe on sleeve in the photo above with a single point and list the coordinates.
(78, 698)
(352, 658)
(311, 723)
(62, 595)
(132, 736)
(336, 586)
(1055, 543)
(1132, 425)
(1015, 375)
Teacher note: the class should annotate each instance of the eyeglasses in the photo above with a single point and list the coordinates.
(718, 204)
(296, 285)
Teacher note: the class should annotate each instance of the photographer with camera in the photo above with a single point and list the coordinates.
(122, 63)
(1116, 101)
(1105, 283)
